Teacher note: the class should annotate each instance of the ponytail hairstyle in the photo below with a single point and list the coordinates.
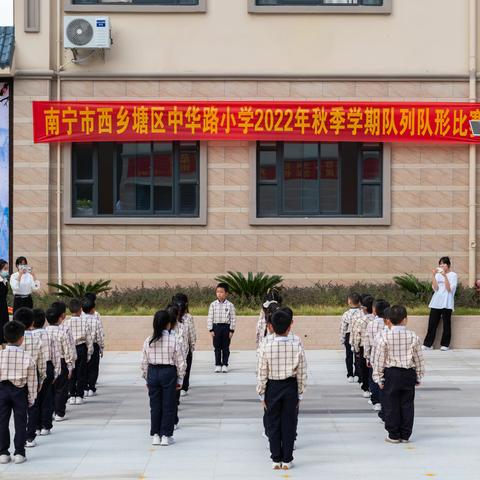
(181, 297)
(182, 309)
(271, 298)
(270, 310)
(161, 321)
(173, 311)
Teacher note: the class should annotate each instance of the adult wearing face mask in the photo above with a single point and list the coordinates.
(3, 298)
(23, 284)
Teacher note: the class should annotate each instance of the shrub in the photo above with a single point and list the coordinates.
(410, 283)
(79, 289)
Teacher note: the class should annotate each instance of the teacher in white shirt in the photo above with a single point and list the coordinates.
(23, 284)
(444, 284)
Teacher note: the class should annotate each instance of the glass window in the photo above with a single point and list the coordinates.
(303, 3)
(136, 179)
(319, 180)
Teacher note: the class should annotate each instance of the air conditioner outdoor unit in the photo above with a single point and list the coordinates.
(86, 32)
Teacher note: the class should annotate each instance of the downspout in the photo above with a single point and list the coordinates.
(59, 148)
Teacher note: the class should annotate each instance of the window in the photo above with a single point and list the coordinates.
(319, 180)
(320, 6)
(319, 2)
(152, 179)
(136, 6)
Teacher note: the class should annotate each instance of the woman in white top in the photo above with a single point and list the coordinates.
(23, 284)
(444, 284)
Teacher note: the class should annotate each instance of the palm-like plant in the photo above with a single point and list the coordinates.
(410, 283)
(79, 289)
(250, 287)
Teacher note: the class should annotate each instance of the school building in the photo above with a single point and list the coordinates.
(320, 164)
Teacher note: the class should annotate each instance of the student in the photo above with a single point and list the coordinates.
(34, 347)
(345, 332)
(192, 339)
(3, 298)
(358, 329)
(398, 369)
(53, 362)
(18, 391)
(84, 347)
(282, 375)
(61, 307)
(163, 367)
(59, 335)
(23, 284)
(98, 337)
(376, 326)
(272, 297)
(221, 325)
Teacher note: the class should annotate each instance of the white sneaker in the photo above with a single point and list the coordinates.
(5, 459)
(58, 418)
(444, 349)
(91, 393)
(392, 440)
(370, 402)
(264, 435)
(20, 458)
(287, 466)
(85, 393)
(350, 379)
(218, 369)
(71, 401)
(44, 431)
(175, 427)
(79, 401)
(277, 465)
(294, 445)
(377, 407)
(30, 444)
(366, 394)
(37, 432)
(224, 369)
(355, 378)
(424, 347)
(183, 393)
(156, 440)
(165, 442)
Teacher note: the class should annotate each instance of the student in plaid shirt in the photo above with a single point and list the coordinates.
(82, 336)
(221, 325)
(163, 367)
(345, 332)
(98, 336)
(398, 368)
(54, 366)
(281, 381)
(18, 391)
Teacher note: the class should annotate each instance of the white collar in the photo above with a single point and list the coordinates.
(14, 347)
(398, 328)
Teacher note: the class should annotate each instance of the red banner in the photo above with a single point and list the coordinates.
(268, 121)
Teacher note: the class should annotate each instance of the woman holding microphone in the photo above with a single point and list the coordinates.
(23, 284)
(444, 284)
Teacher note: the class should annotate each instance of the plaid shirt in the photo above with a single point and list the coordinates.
(281, 358)
(96, 328)
(261, 328)
(192, 333)
(52, 352)
(221, 312)
(81, 332)
(71, 340)
(399, 348)
(181, 331)
(18, 367)
(373, 327)
(346, 322)
(167, 350)
(60, 336)
(34, 347)
(358, 330)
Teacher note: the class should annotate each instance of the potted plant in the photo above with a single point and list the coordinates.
(84, 207)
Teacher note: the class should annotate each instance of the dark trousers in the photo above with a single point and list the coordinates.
(433, 320)
(161, 383)
(60, 392)
(186, 378)
(36, 417)
(92, 368)
(281, 398)
(221, 343)
(362, 370)
(349, 357)
(398, 401)
(13, 399)
(78, 382)
(373, 387)
(19, 302)
(177, 404)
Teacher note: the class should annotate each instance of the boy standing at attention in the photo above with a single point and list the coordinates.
(345, 332)
(281, 381)
(398, 368)
(221, 325)
(18, 391)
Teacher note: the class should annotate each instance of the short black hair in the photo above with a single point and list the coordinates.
(281, 320)
(38, 317)
(397, 314)
(52, 314)
(445, 260)
(354, 297)
(75, 305)
(24, 315)
(20, 260)
(88, 305)
(91, 296)
(288, 311)
(386, 314)
(13, 331)
(60, 306)
(380, 306)
(367, 302)
(223, 285)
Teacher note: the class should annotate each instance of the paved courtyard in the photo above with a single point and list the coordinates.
(220, 427)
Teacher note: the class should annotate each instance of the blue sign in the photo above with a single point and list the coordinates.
(101, 23)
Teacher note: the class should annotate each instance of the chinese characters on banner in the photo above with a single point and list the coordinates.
(271, 121)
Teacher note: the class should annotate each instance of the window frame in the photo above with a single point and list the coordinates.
(384, 219)
(112, 8)
(68, 186)
(385, 9)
